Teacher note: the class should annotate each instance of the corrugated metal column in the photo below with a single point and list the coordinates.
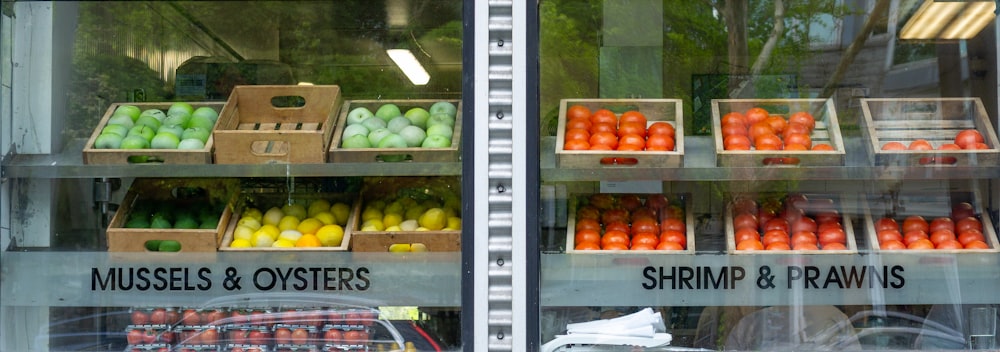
(500, 190)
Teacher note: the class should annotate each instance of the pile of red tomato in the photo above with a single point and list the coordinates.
(756, 129)
(629, 222)
(969, 139)
(603, 130)
(792, 223)
(960, 230)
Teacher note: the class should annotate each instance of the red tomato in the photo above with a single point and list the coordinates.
(746, 233)
(633, 116)
(577, 145)
(971, 235)
(619, 225)
(582, 236)
(750, 245)
(614, 237)
(805, 246)
(941, 223)
(794, 128)
(759, 129)
(828, 216)
(587, 246)
(804, 223)
(886, 223)
(949, 146)
(799, 138)
(977, 245)
(768, 142)
(674, 236)
(832, 236)
(894, 146)
(920, 144)
(833, 246)
(645, 225)
(915, 222)
(733, 130)
(803, 118)
(968, 137)
(139, 317)
(661, 128)
(822, 147)
(913, 236)
(583, 124)
(891, 245)
(645, 238)
(604, 138)
(638, 129)
(745, 220)
(632, 141)
(669, 246)
(776, 224)
(755, 115)
(673, 224)
(604, 116)
(889, 235)
(777, 123)
(778, 246)
(577, 111)
(969, 223)
(948, 244)
(774, 236)
(661, 143)
(962, 210)
(734, 117)
(920, 244)
(803, 237)
(939, 236)
(603, 127)
(588, 212)
(736, 142)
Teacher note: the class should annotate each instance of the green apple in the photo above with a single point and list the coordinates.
(435, 141)
(179, 107)
(176, 130)
(359, 114)
(205, 111)
(160, 222)
(392, 141)
(440, 130)
(444, 107)
(108, 141)
(124, 120)
(376, 136)
(199, 133)
(191, 144)
(164, 140)
(356, 141)
(440, 119)
(201, 121)
(186, 223)
(120, 130)
(137, 223)
(158, 114)
(413, 135)
(131, 111)
(374, 124)
(177, 118)
(353, 130)
(397, 123)
(387, 111)
(134, 142)
(418, 116)
(148, 121)
(143, 131)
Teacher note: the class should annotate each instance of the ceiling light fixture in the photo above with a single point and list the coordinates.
(409, 65)
(948, 20)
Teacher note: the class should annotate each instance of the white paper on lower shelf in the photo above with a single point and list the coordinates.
(658, 339)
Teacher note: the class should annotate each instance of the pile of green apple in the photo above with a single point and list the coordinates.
(389, 127)
(180, 127)
(155, 214)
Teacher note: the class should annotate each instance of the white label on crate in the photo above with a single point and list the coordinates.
(631, 187)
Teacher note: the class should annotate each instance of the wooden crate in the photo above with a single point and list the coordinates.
(122, 239)
(257, 126)
(839, 205)
(264, 201)
(929, 205)
(417, 188)
(668, 110)
(936, 120)
(827, 131)
(94, 156)
(367, 155)
(689, 226)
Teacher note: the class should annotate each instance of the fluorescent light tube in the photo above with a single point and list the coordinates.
(410, 66)
(948, 20)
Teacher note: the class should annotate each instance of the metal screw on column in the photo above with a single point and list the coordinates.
(501, 188)
(500, 262)
(500, 335)
(499, 115)
(500, 42)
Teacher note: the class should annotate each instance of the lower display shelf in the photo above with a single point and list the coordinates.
(230, 279)
(764, 280)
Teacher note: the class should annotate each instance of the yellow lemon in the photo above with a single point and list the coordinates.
(373, 225)
(341, 211)
(253, 213)
(243, 232)
(399, 247)
(418, 247)
(309, 225)
(283, 243)
(408, 225)
(241, 243)
(330, 235)
(308, 240)
(393, 228)
(290, 235)
(325, 217)
(273, 216)
(250, 222)
(289, 222)
(317, 206)
(433, 219)
(422, 229)
(271, 230)
(454, 223)
(392, 219)
(371, 213)
(296, 210)
(261, 239)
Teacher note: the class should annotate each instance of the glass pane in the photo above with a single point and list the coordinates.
(290, 234)
(708, 182)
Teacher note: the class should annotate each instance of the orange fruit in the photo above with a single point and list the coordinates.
(577, 111)
(586, 246)
(308, 240)
(749, 245)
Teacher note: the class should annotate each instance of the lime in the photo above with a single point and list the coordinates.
(296, 210)
(169, 246)
(153, 245)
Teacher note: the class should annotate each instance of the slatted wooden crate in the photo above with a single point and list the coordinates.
(929, 205)
(94, 156)
(827, 131)
(689, 225)
(444, 191)
(416, 154)
(815, 203)
(212, 191)
(667, 110)
(936, 120)
(277, 124)
(264, 201)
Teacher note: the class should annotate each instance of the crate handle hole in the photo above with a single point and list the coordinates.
(145, 159)
(615, 161)
(393, 158)
(269, 148)
(288, 101)
(781, 161)
(938, 161)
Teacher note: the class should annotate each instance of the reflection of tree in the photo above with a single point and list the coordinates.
(99, 80)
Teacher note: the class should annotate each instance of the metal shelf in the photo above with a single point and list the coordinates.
(69, 164)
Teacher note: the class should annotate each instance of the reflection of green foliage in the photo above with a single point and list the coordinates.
(100, 80)
(567, 55)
